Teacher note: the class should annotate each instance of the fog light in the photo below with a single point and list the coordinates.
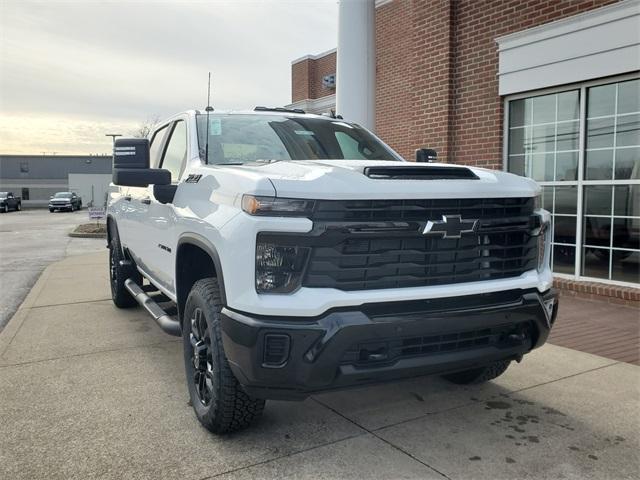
(276, 350)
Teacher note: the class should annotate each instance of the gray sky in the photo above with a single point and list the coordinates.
(71, 71)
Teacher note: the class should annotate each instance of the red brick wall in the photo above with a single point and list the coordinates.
(449, 47)
(306, 77)
(300, 86)
(394, 98)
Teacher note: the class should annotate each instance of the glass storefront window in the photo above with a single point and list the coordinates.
(595, 214)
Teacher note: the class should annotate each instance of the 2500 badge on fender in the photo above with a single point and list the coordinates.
(297, 254)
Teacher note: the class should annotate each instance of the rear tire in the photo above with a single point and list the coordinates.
(220, 403)
(118, 274)
(19, 207)
(478, 375)
(6, 209)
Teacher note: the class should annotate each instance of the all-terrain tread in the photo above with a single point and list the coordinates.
(479, 375)
(119, 294)
(231, 409)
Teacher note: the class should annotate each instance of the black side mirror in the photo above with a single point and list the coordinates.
(426, 155)
(131, 164)
(131, 153)
(141, 177)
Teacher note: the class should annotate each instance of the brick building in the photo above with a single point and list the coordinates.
(544, 88)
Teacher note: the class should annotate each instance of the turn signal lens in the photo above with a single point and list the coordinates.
(277, 207)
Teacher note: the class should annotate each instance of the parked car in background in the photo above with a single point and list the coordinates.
(65, 201)
(8, 201)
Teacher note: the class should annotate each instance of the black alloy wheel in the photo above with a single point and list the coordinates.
(201, 357)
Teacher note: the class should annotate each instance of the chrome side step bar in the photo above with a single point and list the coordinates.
(167, 323)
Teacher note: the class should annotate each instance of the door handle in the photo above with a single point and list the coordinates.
(146, 201)
(127, 198)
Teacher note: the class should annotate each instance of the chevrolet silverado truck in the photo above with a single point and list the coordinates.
(69, 201)
(297, 254)
(8, 201)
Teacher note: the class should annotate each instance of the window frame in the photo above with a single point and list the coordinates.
(580, 183)
(163, 130)
(167, 140)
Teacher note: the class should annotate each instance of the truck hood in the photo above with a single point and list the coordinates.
(345, 179)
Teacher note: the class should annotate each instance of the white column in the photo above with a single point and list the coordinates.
(356, 62)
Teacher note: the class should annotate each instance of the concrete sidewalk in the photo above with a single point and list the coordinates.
(89, 391)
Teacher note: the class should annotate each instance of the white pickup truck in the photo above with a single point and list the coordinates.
(298, 254)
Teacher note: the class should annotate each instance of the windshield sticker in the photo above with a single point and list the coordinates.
(304, 132)
(215, 126)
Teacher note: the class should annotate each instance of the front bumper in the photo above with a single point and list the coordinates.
(290, 358)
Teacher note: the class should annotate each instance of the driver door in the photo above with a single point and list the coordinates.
(161, 218)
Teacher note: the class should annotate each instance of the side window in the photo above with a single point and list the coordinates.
(176, 152)
(156, 143)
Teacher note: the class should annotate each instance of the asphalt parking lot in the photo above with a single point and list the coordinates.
(29, 241)
(89, 391)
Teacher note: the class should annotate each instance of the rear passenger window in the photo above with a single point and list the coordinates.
(176, 152)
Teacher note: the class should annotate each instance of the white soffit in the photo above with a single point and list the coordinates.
(595, 44)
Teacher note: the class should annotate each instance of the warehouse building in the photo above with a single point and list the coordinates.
(36, 177)
(544, 88)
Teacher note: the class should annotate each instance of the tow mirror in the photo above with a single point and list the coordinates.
(131, 153)
(131, 164)
(426, 155)
(141, 177)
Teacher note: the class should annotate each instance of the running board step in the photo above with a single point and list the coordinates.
(165, 322)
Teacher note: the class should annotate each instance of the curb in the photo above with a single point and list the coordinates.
(15, 322)
(87, 235)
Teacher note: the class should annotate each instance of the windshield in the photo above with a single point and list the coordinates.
(62, 195)
(3, 194)
(241, 138)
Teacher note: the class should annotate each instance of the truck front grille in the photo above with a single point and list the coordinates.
(377, 244)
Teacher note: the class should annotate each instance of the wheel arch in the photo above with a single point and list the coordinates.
(196, 258)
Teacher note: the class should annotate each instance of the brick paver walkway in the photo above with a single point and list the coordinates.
(598, 327)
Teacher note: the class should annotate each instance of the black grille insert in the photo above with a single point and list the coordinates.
(504, 336)
(380, 244)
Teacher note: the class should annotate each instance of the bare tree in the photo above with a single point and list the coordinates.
(144, 128)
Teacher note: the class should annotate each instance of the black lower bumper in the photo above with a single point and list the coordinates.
(290, 358)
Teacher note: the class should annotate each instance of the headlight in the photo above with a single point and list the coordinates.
(279, 268)
(277, 207)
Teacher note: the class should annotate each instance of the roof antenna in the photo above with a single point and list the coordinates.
(208, 109)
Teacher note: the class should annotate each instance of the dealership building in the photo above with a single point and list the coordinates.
(36, 177)
(548, 89)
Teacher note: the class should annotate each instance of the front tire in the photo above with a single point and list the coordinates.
(6, 209)
(118, 274)
(220, 403)
(478, 375)
(19, 207)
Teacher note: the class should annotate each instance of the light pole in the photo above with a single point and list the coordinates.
(113, 136)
